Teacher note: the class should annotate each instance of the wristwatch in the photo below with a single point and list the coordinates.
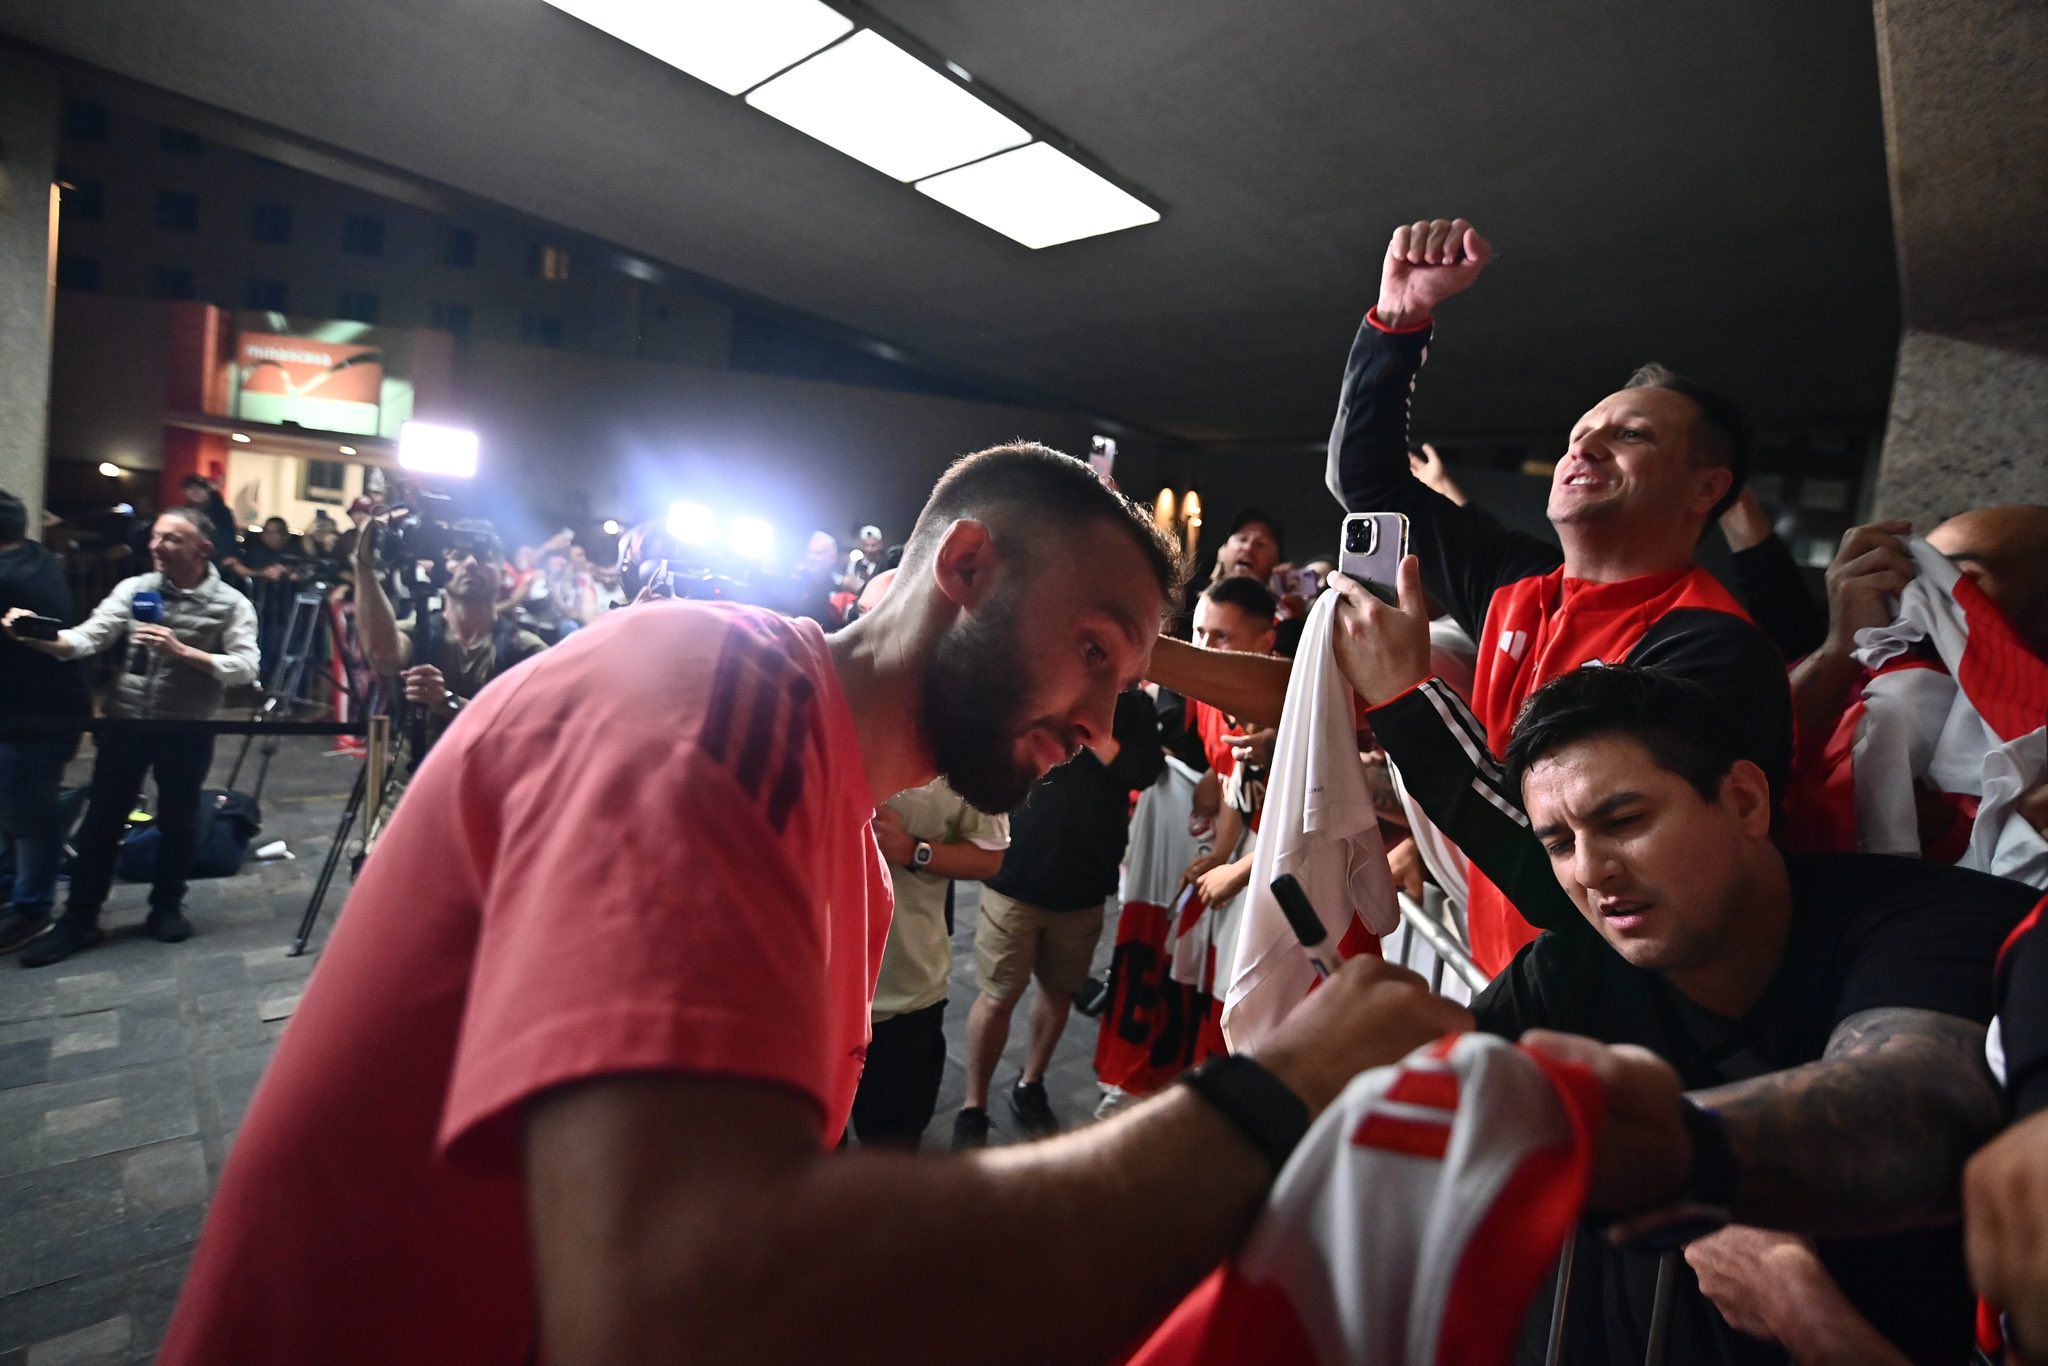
(921, 857)
(1256, 1102)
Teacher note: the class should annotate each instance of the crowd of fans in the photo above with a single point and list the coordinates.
(1760, 871)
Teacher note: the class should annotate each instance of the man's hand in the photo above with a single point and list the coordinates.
(1642, 1154)
(1202, 863)
(2033, 807)
(1871, 567)
(1383, 650)
(1429, 467)
(159, 640)
(424, 685)
(48, 647)
(1369, 1013)
(1404, 865)
(1745, 523)
(1217, 886)
(1253, 747)
(1426, 264)
(1772, 1286)
(897, 845)
(2005, 1231)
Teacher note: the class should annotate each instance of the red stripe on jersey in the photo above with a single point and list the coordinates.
(2004, 680)
(1433, 1090)
(1398, 1134)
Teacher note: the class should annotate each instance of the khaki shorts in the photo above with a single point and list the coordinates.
(1015, 942)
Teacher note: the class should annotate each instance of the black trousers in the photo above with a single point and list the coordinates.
(899, 1086)
(180, 763)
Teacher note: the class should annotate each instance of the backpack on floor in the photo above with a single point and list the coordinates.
(228, 823)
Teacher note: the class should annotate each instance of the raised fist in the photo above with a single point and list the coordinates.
(1427, 263)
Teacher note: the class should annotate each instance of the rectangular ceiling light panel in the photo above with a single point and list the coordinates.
(732, 44)
(875, 102)
(1040, 196)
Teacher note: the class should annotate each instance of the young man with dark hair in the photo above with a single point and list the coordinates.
(1235, 615)
(1645, 470)
(179, 669)
(1826, 1013)
(576, 1062)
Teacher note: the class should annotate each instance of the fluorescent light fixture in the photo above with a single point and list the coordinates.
(110, 469)
(691, 523)
(1040, 196)
(731, 44)
(875, 102)
(239, 438)
(752, 538)
(430, 448)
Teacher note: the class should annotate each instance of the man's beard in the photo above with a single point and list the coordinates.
(974, 697)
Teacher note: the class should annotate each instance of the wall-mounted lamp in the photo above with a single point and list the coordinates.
(1179, 515)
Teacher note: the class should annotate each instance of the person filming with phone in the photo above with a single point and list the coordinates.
(1641, 474)
(188, 638)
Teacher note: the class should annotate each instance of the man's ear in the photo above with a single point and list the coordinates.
(1710, 485)
(1748, 794)
(964, 565)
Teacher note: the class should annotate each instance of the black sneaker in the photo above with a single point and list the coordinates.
(970, 1129)
(18, 927)
(1033, 1111)
(67, 936)
(168, 927)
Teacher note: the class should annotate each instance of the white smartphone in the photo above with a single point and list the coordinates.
(1371, 548)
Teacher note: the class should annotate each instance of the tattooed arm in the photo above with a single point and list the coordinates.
(1870, 1139)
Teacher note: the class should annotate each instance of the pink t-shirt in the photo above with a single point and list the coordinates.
(649, 849)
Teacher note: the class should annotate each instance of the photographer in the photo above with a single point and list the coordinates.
(276, 563)
(179, 669)
(466, 641)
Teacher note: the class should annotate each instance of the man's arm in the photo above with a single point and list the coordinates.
(1870, 1139)
(682, 1217)
(1252, 688)
(108, 624)
(1867, 574)
(384, 646)
(1465, 554)
(240, 660)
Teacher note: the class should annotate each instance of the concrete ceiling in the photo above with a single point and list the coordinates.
(1700, 184)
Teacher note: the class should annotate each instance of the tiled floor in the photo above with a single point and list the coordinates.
(124, 1073)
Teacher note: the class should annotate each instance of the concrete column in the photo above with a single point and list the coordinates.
(28, 159)
(1966, 135)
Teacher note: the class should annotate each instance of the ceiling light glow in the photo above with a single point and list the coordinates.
(733, 46)
(239, 438)
(878, 104)
(110, 469)
(1040, 196)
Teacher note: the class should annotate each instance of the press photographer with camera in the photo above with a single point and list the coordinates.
(444, 658)
(189, 637)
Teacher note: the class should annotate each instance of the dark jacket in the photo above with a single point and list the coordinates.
(32, 683)
(1068, 838)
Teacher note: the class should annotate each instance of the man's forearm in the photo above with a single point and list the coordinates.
(963, 861)
(1252, 688)
(376, 624)
(1870, 1139)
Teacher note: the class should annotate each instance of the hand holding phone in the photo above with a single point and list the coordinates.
(1371, 548)
(1382, 646)
(29, 626)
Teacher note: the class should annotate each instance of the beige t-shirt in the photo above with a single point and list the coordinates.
(918, 959)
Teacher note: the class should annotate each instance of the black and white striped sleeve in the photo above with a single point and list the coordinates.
(1440, 748)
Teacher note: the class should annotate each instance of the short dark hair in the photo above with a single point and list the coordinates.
(1675, 719)
(1724, 436)
(197, 481)
(13, 518)
(1246, 594)
(1005, 484)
